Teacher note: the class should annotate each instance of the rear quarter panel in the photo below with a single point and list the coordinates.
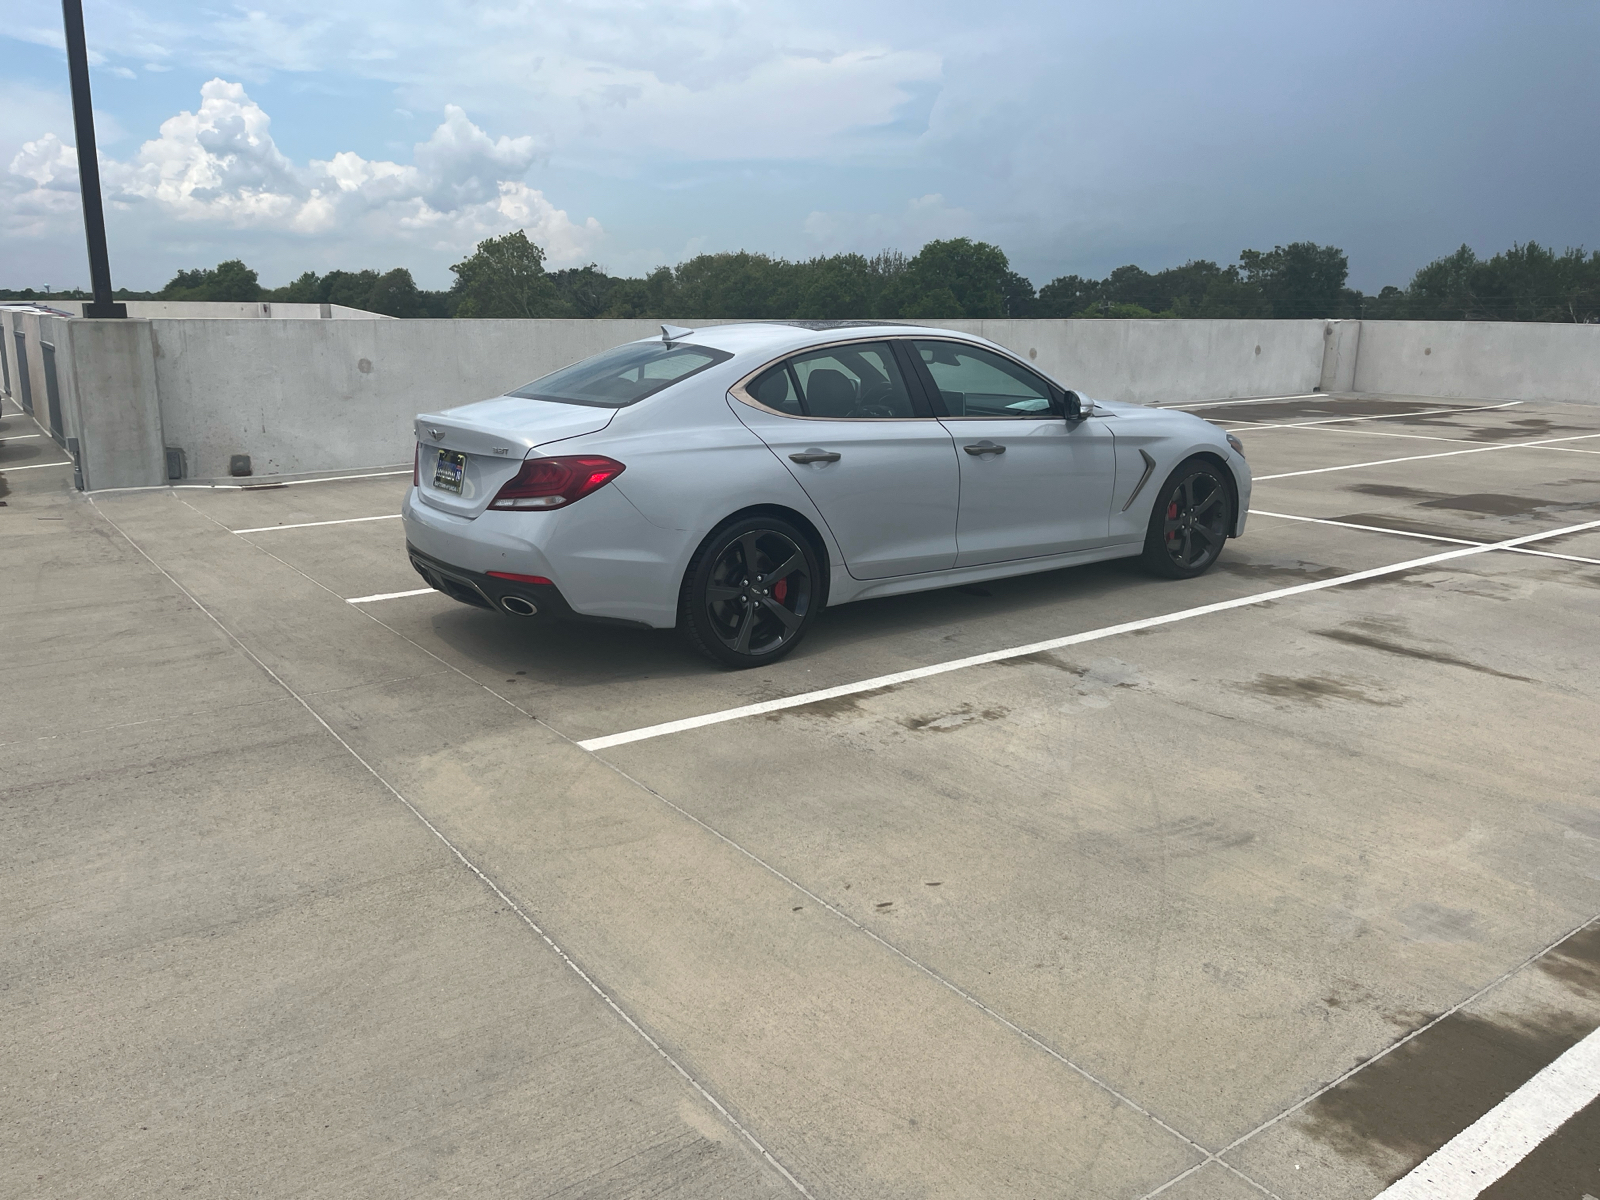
(690, 465)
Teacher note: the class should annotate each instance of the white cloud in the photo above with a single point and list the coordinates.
(219, 166)
(921, 220)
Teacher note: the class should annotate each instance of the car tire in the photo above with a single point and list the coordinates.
(1190, 521)
(736, 607)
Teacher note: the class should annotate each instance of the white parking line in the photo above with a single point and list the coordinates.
(266, 482)
(390, 596)
(36, 466)
(314, 524)
(1383, 462)
(1252, 400)
(1487, 1150)
(1427, 412)
(18, 437)
(1426, 537)
(1092, 635)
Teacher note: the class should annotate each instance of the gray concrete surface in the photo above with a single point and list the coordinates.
(308, 897)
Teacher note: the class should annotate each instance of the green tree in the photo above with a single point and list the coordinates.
(230, 280)
(584, 291)
(1301, 279)
(654, 296)
(395, 295)
(505, 277)
(840, 288)
(953, 278)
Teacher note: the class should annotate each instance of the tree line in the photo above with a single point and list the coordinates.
(951, 278)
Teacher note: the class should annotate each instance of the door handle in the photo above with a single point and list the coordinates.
(984, 447)
(814, 454)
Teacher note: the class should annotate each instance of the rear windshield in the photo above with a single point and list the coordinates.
(622, 376)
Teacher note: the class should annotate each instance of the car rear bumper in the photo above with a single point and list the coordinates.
(482, 590)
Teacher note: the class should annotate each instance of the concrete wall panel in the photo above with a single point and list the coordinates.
(1488, 360)
(112, 406)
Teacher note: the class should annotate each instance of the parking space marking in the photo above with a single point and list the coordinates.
(1251, 400)
(1427, 412)
(267, 482)
(1480, 1154)
(315, 524)
(390, 596)
(1092, 635)
(18, 437)
(37, 466)
(1383, 462)
(1426, 537)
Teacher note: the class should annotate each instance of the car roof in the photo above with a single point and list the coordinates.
(778, 337)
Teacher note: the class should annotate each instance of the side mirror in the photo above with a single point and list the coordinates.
(1078, 408)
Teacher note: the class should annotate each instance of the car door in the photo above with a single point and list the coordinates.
(1032, 482)
(868, 451)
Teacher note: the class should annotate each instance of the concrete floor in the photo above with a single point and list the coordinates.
(308, 898)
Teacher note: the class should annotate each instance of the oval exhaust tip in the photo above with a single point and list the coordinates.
(517, 606)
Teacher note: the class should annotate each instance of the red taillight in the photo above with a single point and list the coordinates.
(553, 482)
(416, 467)
(518, 578)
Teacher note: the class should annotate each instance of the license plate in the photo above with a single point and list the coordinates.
(448, 470)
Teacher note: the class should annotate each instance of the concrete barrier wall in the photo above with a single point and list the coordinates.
(1489, 360)
(1166, 362)
(303, 396)
(311, 396)
(201, 310)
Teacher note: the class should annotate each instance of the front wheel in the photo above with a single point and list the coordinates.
(1190, 522)
(751, 592)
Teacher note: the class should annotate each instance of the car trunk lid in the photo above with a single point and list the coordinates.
(491, 439)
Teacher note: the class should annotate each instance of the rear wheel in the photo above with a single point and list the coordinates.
(1190, 522)
(751, 592)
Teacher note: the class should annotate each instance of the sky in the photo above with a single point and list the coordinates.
(320, 134)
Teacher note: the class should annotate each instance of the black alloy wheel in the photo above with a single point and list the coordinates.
(750, 593)
(1190, 522)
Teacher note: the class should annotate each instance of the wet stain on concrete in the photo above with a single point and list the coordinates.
(1576, 962)
(1314, 689)
(1352, 637)
(1299, 572)
(1498, 504)
(1405, 525)
(5, 488)
(1397, 1111)
(834, 706)
(1531, 429)
(1393, 491)
(947, 722)
(1044, 658)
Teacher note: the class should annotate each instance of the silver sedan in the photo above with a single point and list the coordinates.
(732, 481)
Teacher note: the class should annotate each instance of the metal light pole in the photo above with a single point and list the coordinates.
(94, 217)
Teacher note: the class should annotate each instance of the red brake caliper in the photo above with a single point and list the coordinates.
(780, 590)
(1172, 515)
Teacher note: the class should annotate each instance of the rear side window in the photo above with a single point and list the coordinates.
(624, 375)
(776, 390)
(860, 381)
(978, 383)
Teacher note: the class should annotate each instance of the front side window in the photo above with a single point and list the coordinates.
(980, 383)
(624, 375)
(860, 381)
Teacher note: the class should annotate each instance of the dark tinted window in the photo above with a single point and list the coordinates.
(979, 383)
(861, 381)
(624, 375)
(775, 389)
